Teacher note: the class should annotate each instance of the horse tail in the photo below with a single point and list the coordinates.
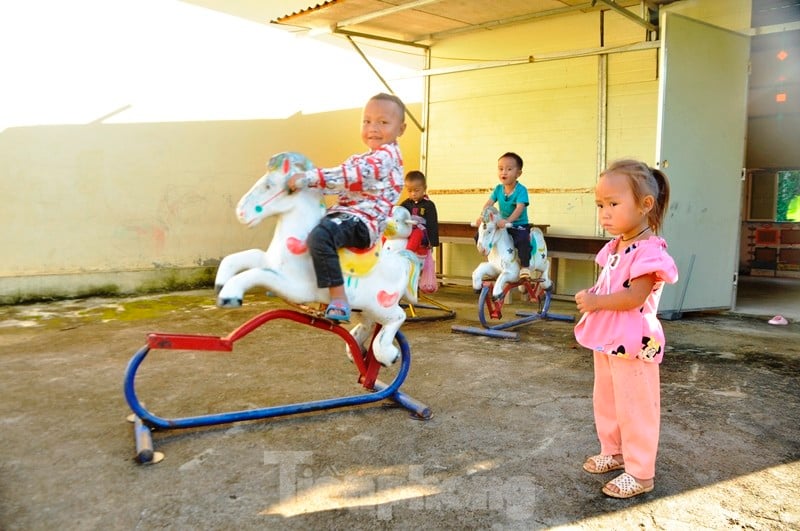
(538, 250)
(539, 260)
(414, 273)
(538, 244)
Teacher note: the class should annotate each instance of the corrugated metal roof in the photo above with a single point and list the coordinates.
(420, 21)
(423, 21)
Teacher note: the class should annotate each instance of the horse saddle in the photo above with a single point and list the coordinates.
(358, 262)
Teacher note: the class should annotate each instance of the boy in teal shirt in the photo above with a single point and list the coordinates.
(512, 202)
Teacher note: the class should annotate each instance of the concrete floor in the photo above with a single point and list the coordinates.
(511, 426)
(767, 297)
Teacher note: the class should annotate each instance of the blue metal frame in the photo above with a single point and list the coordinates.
(144, 420)
(499, 331)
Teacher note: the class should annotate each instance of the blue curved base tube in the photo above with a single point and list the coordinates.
(499, 330)
(144, 420)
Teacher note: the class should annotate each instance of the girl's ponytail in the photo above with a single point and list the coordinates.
(655, 218)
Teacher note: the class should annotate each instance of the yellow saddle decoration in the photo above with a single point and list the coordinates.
(358, 262)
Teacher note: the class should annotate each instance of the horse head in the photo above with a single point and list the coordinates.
(269, 195)
(398, 229)
(498, 247)
(487, 230)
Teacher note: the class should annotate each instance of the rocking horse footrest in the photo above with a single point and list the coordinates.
(189, 342)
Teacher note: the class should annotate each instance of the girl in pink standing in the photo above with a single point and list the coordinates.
(619, 324)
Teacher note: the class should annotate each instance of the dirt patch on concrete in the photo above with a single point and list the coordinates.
(512, 424)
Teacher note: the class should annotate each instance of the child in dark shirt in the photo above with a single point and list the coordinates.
(419, 204)
(426, 237)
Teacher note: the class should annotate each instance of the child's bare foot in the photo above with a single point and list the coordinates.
(600, 464)
(627, 486)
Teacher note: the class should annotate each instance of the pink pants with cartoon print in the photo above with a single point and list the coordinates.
(627, 411)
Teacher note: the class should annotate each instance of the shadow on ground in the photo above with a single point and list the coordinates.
(512, 424)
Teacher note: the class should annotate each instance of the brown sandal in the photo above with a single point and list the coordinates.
(602, 464)
(627, 485)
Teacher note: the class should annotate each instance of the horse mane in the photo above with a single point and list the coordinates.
(485, 215)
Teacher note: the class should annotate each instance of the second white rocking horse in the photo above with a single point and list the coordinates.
(502, 263)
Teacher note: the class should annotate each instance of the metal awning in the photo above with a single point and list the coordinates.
(423, 22)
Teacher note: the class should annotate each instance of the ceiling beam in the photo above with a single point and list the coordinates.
(553, 56)
(348, 34)
(627, 14)
(775, 28)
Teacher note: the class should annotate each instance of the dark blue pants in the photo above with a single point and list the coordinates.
(522, 241)
(333, 232)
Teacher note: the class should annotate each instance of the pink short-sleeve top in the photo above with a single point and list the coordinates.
(635, 333)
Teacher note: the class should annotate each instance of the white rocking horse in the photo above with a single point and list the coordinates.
(375, 281)
(502, 263)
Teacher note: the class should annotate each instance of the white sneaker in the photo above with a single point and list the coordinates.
(524, 273)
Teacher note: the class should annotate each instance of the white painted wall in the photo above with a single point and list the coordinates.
(141, 206)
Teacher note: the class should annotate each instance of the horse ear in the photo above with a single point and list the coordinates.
(274, 162)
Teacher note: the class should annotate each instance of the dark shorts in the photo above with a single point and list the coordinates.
(333, 232)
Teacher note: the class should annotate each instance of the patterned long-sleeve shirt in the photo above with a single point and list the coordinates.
(368, 186)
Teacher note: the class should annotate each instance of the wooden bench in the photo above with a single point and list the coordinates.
(559, 246)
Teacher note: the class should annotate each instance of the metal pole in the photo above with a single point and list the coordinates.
(385, 84)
